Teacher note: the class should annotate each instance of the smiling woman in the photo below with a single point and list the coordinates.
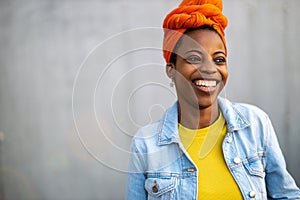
(205, 147)
(201, 62)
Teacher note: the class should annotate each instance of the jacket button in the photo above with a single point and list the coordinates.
(237, 160)
(229, 140)
(252, 194)
(154, 187)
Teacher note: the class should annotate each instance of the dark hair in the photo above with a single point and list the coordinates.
(174, 55)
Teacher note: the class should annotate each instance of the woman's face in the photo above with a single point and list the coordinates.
(200, 70)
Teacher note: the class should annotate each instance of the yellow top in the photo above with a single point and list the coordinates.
(205, 148)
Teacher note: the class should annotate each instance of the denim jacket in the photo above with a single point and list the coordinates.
(160, 167)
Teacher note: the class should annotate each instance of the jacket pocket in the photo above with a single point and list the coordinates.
(161, 188)
(254, 167)
(256, 172)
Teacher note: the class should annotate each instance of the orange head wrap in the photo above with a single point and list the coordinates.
(192, 14)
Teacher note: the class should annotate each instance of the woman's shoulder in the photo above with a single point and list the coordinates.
(146, 137)
(240, 115)
(250, 108)
(148, 130)
(168, 119)
(242, 108)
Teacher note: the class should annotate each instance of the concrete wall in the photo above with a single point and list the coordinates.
(74, 87)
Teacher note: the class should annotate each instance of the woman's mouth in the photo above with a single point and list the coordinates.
(206, 86)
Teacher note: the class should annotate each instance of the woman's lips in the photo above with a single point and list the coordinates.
(206, 86)
(206, 83)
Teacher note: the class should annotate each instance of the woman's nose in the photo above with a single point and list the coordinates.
(207, 66)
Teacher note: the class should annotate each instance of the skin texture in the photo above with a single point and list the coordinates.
(201, 55)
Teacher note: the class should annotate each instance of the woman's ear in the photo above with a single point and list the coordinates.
(170, 70)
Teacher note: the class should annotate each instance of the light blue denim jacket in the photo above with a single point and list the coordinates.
(160, 167)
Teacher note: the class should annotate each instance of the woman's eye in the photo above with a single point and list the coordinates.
(193, 59)
(220, 61)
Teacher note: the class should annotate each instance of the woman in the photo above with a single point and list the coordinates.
(205, 147)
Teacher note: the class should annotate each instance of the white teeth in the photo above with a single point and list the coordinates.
(206, 83)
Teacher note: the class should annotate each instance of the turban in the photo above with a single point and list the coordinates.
(192, 14)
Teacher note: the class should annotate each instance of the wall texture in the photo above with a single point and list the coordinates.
(77, 78)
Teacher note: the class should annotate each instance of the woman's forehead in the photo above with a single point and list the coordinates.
(200, 40)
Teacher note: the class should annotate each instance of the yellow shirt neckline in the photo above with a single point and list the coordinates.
(209, 135)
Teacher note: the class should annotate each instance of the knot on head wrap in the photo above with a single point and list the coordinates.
(192, 14)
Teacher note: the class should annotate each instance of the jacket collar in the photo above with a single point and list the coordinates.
(233, 114)
(168, 129)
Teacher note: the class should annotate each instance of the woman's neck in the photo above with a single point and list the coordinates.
(194, 117)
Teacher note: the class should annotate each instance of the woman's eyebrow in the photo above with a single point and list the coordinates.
(194, 51)
(222, 52)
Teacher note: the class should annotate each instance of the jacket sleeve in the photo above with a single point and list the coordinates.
(279, 183)
(136, 177)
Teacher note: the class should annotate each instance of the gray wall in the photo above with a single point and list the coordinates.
(74, 87)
